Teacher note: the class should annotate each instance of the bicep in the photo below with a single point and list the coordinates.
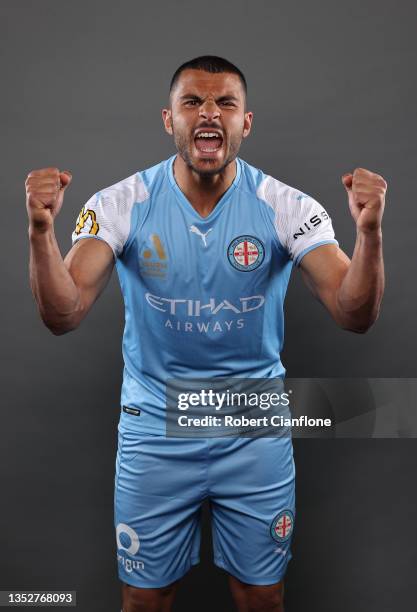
(323, 270)
(90, 263)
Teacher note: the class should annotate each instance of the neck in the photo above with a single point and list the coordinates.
(203, 192)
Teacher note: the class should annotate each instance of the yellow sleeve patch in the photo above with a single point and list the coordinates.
(87, 215)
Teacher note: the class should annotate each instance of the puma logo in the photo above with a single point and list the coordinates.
(195, 230)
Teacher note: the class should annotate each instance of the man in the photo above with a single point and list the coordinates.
(203, 244)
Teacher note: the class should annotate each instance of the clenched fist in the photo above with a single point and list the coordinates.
(45, 194)
(366, 193)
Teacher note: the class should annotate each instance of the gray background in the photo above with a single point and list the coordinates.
(332, 86)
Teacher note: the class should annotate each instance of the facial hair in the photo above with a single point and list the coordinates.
(183, 146)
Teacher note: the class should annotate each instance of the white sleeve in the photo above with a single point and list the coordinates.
(107, 214)
(301, 223)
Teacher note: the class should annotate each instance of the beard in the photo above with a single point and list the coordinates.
(184, 147)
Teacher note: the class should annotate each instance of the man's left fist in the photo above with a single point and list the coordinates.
(366, 193)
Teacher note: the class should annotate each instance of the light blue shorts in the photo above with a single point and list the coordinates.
(160, 485)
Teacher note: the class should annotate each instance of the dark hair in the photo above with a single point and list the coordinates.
(209, 63)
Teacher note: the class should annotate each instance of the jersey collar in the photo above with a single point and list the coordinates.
(187, 204)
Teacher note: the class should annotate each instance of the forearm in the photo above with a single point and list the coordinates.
(360, 293)
(54, 290)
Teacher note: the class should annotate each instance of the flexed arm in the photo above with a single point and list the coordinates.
(66, 289)
(352, 290)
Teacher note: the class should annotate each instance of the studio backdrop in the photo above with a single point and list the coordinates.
(332, 87)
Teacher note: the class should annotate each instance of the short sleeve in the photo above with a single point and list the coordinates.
(301, 223)
(309, 228)
(107, 214)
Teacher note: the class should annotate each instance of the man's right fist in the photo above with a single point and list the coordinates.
(45, 194)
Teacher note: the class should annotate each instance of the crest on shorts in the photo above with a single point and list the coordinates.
(282, 526)
(246, 253)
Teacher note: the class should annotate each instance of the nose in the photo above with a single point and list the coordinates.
(209, 110)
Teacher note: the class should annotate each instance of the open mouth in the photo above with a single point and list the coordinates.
(208, 141)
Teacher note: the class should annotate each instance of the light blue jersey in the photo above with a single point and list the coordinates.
(203, 296)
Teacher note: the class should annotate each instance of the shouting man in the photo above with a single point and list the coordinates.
(204, 244)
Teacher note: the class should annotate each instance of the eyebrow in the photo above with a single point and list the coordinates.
(221, 99)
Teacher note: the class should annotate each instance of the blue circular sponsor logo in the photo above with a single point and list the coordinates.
(246, 253)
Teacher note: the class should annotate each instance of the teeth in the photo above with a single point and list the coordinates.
(208, 135)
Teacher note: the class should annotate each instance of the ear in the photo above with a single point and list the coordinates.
(247, 124)
(166, 118)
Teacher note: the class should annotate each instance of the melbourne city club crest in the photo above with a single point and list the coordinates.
(246, 253)
(282, 526)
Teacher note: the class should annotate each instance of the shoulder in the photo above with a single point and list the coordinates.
(300, 221)
(108, 214)
(133, 189)
(281, 197)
